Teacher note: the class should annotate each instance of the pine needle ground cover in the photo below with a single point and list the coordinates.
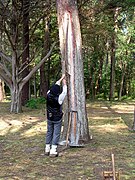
(22, 139)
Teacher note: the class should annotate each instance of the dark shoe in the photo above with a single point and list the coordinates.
(47, 153)
(54, 155)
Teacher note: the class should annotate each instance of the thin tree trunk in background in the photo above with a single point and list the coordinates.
(106, 69)
(34, 84)
(44, 70)
(122, 81)
(92, 89)
(71, 50)
(112, 75)
(2, 92)
(113, 51)
(98, 82)
(25, 55)
(134, 120)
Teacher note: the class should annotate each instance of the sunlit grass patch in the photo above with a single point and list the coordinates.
(109, 128)
(39, 128)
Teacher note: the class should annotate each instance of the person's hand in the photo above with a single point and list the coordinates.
(63, 76)
(64, 82)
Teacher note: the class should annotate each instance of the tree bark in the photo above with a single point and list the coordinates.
(44, 70)
(71, 51)
(25, 55)
(112, 75)
(2, 94)
(113, 51)
(16, 106)
(14, 86)
(122, 81)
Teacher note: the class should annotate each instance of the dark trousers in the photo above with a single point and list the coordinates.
(53, 132)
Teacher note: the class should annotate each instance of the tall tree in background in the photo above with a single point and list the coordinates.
(71, 51)
(115, 13)
(44, 69)
(2, 92)
(25, 54)
(11, 66)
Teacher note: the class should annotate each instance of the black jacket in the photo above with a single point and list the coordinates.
(54, 109)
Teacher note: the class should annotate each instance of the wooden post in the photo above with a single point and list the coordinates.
(68, 131)
(113, 167)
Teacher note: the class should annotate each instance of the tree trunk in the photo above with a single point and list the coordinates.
(12, 76)
(44, 70)
(34, 85)
(25, 55)
(71, 50)
(2, 94)
(122, 81)
(16, 106)
(14, 86)
(113, 51)
(99, 78)
(2, 91)
(112, 75)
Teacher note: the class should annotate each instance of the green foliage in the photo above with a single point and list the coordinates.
(36, 103)
(97, 25)
(98, 32)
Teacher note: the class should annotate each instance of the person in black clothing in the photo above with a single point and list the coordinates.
(55, 99)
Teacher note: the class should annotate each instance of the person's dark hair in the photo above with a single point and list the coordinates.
(55, 89)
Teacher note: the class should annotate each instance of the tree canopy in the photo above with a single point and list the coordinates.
(107, 29)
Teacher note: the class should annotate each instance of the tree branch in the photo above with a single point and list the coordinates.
(9, 38)
(4, 69)
(26, 64)
(34, 26)
(26, 79)
(5, 78)
(5, 57)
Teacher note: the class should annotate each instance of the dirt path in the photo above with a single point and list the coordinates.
(22, 145)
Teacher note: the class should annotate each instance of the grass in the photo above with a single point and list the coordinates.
(22, 145)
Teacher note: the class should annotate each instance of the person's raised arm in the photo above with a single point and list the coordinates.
(64, 91)
(59, 81)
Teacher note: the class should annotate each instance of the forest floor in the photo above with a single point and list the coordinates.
(22, 145)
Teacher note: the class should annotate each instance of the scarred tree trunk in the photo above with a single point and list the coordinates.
(71, 50)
